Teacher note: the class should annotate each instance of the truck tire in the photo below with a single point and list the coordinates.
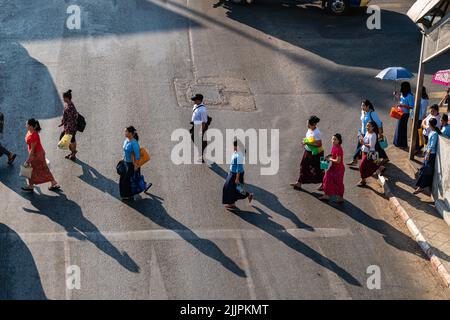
(338, 7)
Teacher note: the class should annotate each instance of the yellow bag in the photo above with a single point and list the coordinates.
(421, 138)
(65, 142)
(145, 157)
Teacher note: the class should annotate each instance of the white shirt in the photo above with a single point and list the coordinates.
(314, 134)
(370, 139)
(199, 114)
(423, 108)
(427, 129)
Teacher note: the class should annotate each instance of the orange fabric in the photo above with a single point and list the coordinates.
(396, 113)
(145, 157)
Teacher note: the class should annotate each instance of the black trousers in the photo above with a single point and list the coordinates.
(125, 181)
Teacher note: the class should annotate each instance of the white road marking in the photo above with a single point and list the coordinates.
(249, 278)
(164, 234)
(67, 264)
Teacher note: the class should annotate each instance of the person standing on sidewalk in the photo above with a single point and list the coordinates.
(367, 114)
(199, 118)
(234, 188)
(426, 173)
(310, 171)
(3, 151)
(333, 181)
(406, 104)
(69, 121)
(424, 102)
(445, 126)
(36, 159)
(434, 114)
(370, 162)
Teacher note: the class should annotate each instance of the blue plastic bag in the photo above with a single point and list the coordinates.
(137, 183)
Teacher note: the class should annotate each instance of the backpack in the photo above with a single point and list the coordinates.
(81, 123)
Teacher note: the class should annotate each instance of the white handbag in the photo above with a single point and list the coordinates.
(26, 171)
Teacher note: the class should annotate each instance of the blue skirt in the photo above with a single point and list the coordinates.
(426, 173)
(230, 194)
(401, 132)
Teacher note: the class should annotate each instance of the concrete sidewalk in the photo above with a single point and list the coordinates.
(418, 212)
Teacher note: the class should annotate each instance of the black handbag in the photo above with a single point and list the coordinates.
(121, 168)
(81, 123)
(2, 122)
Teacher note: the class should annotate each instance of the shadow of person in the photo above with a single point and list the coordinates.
(391, 235)
(267, 199)
(19, 276)
(153, 209)
(277, 231)
(69, 215)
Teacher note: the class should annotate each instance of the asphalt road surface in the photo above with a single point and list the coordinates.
(265, 67)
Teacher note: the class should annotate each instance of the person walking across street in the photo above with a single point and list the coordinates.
(36, 159)
(200, 120)
(69, 122)
(367, 114)
(234, 188)
(310, 171)
(426, 173)
(3, 151)
(406, 103)
(132, 154)
(370, 160)
(333, 181)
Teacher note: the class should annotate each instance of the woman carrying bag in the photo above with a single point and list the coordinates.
(370, 160)
(36, 159)
(131, 172)
(70, 124)
(406, 104)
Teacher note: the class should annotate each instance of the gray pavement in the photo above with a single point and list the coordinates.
(179, 242)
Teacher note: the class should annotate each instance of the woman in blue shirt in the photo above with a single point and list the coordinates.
(426, 173)
(406, 104)
(132, 152)
(233, 189)
(368, 114)
(445, 127)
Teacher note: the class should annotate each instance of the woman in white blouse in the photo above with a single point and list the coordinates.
(370, 163)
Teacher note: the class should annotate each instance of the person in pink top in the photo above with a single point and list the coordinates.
(333, 181)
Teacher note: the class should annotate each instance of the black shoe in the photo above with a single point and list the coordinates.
(148, 186)
(11, 160)
(27, 189)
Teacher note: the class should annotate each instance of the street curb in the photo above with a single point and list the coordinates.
(443, 273)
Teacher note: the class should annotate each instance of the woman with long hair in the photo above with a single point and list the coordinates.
(426, 173)
(36, 159)
(333, 181)
(69, 122)
(370, 162)
(406, 103)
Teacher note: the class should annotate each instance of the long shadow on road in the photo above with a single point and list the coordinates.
(267, 199)
(19, 276)
(263, 222)
(69, 215)
(153, 209)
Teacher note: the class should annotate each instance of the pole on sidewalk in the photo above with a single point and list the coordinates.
(418, 98)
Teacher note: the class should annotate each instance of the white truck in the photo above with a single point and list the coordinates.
(336, 7)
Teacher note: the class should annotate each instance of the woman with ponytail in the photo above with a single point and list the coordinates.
(132, 153)
(426, 173)
(36, 159)
(69, 122)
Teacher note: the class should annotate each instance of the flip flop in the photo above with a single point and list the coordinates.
(27, 189)
(10, 161)
(54, 188)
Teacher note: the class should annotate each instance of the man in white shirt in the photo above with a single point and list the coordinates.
(3, 150)
(199, 118)
(434, 114)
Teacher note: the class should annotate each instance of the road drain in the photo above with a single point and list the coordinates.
(220, 93)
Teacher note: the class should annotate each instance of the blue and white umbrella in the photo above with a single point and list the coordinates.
(395, 74)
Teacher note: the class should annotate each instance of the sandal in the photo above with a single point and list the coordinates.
(250, 198)
(11, 160)
(56, 187)
(27, 189)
